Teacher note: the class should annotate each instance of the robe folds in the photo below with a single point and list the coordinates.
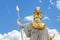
(36, 34)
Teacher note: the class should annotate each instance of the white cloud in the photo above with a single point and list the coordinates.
(51, 2)
(57, 34)
(16, 35)
(46, 18)
(40, 1)
(58, 18)
(58, 4)
(28, 18)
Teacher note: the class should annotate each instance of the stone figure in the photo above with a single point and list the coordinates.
(36, 30)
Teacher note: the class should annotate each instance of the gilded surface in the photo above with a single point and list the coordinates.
(37, 15)
(52, 36)
(37, 20)
(39, 26)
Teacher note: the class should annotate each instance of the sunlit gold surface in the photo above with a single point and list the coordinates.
(39, 26)
(37, 20)
(37, 16)
(52, 36)
(37, 9)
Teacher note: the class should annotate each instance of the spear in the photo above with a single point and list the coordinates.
(17, 9)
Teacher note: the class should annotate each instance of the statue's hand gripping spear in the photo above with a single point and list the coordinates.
(18, 20)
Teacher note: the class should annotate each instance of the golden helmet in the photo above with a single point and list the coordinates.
(37, 14)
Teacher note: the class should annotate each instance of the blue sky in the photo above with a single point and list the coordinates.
(8, 14)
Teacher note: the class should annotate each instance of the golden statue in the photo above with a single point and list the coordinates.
(52, 36)
(35, 30)
(37, 20)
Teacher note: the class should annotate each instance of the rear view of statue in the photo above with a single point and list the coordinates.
(36, 30)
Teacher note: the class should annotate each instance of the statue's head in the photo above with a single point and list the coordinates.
(37, 14)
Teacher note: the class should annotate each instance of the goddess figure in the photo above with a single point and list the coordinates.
(36, 30)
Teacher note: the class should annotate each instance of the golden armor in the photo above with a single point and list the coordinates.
(39, 26)
(52, 36)
(37, 20)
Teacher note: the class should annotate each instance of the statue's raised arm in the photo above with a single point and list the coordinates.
(18, 20)
(36, 30)
(19, 23)
(27, 27)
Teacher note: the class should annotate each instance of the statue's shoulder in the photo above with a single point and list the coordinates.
(32, 22)
(43, 24)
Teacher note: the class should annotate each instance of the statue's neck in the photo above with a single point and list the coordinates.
(37, 21)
